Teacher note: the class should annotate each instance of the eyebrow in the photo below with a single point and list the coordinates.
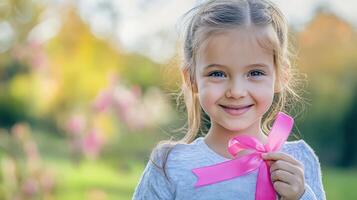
(262, 65)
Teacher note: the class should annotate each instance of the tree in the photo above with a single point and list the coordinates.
(328, 55)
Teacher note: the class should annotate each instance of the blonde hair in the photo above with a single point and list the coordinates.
(215, 16)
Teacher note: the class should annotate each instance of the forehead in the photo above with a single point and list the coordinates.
(239, 47)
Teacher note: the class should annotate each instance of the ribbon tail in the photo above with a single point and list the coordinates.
(264, 188)
(226, 170)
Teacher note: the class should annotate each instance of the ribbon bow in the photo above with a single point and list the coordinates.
(248, 163)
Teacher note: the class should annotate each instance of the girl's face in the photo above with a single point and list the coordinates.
(235, 79)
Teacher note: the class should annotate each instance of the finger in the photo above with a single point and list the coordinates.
(280, 156)
(283, 176)
(286, 166)
(282, 188)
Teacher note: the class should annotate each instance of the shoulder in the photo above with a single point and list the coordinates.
(299, 148)
(154, 182)
(303, 152)
(176, 153)
(175, 161)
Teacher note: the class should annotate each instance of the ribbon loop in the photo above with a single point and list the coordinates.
(247, 163)
(279, 132)
(243, 142)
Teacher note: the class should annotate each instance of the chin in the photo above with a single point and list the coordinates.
(237, 125)
(234, 128)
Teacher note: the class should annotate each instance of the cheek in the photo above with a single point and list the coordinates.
(209, 94)
(265, 94)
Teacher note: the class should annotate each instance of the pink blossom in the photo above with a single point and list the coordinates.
(38, 57)
(127, 105)
(92, 143)
(76, 124)
(136, 90)
(103, 100)
(30, 187)
(31, 151)
(47, 181)
(21, 131)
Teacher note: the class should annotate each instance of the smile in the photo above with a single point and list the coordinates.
(235, 111)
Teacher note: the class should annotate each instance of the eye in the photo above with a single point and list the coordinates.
(256, 73)
(217, 74)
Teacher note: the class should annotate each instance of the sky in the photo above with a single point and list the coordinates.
(149, 27)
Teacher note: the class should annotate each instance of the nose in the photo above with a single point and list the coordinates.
(237, 89)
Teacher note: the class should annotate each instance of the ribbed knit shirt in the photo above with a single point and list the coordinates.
(179, 181)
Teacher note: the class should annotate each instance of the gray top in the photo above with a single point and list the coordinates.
(185, 157)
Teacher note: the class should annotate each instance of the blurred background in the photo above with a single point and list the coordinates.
(86, 91)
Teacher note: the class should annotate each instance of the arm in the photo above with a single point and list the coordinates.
(313, 184)
(153, 185)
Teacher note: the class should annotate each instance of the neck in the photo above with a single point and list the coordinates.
(217, 138)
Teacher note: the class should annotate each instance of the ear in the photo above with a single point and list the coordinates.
(189, 80)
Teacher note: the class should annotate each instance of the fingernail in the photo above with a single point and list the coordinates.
(269, 164)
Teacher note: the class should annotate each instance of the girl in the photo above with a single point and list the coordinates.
(237, 71)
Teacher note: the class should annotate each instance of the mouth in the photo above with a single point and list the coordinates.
(236, 110)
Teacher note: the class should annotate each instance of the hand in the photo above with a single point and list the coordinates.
(287, 175)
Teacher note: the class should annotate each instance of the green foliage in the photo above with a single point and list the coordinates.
(139, 70)
(340, 183)
(12, 110)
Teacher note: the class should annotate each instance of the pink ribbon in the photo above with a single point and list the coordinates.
(248, 163)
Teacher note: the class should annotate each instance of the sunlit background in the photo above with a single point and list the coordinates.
(87, 90)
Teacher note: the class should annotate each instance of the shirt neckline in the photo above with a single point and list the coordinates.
(205, 148)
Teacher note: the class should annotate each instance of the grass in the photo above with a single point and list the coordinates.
(340, 183)
(94, 180)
